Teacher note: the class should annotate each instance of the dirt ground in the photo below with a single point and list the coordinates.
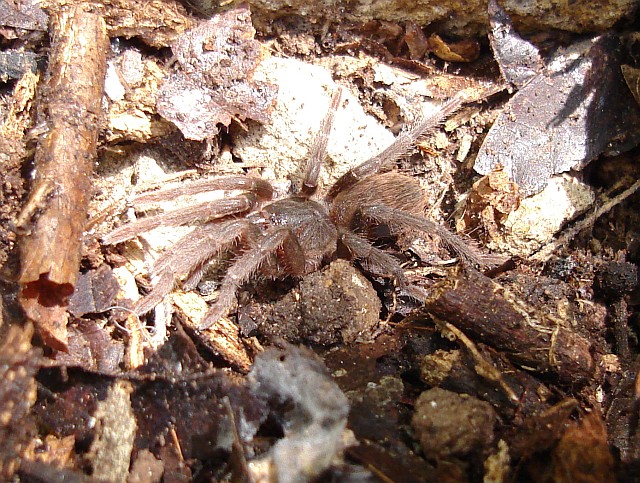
(485, 330)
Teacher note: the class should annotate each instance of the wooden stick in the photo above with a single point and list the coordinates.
(491, 314)
(50, 249)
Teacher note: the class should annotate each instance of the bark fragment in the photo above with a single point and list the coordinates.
(215, 84)
(13, 151)
(110, 452)
(223, 338)
(155, 22)
(490, 313)
(50, 249)
(22, 15)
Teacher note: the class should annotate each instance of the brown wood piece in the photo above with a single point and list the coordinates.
(455, 371)
(489, 313)
(223, 337)
(50, 250)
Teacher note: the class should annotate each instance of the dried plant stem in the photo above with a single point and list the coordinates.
(51, 247)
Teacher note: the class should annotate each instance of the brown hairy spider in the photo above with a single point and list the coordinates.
(296, 235)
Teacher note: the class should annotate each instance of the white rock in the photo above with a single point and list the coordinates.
(540, 217)
(281, 147)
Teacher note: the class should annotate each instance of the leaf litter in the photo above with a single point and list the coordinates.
(569, 108)
(190, 413)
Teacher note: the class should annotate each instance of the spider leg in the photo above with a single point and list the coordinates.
(400, 147)
(399, 220)
(372, 259)
(379, 263)
(319, 148)
(198, 213)
(261, 188)
(189, 255)
(163, 285)
(257, 189)
(247, 265)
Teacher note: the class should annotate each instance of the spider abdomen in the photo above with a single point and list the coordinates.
(391, 189)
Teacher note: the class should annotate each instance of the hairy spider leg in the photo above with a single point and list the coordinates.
(373, 259)
(189, 255)
(319, 148)
(399, 221)
(247, 265)
(163, 285)
(400, 147)
(189, 215)
(257, 190)
(260, 187)
(379, 263)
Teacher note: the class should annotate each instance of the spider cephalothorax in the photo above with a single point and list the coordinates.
(296, 235)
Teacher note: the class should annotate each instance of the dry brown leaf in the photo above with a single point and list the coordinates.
(460, 51)
(214, 84)
(490, 201)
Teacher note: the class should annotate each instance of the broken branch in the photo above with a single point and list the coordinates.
(481, 307)
(51, 247)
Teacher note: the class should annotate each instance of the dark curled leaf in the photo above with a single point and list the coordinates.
(92, 348)
(196, 411)
(214, 83)
(94, 292)
(562, 117)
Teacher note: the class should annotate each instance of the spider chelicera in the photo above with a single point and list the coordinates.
(296, 235)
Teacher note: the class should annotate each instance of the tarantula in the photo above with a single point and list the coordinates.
(296, 235)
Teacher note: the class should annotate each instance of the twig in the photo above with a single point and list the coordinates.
(490, 313)
(50, 250)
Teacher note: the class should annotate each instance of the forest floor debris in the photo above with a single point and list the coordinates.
(439, 372)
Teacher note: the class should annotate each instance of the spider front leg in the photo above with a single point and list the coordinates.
(276, 242)
(319, 148)
(400, 147)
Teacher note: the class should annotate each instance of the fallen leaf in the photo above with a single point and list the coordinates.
(416, 41)
(214, 84)
(518, 59)
(95, 291)
(563, 116)
(583, 453)
(490, 201)
(465, 50)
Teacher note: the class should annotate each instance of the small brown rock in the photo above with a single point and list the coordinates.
(452, 425)
(334, 305)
